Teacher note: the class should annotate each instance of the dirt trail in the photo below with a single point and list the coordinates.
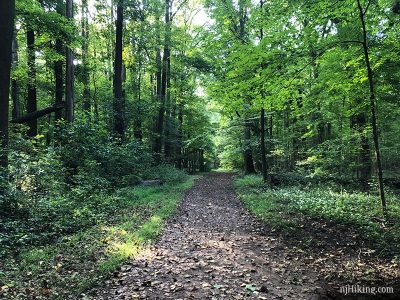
(213, 249)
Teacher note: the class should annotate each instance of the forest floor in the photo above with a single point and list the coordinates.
(213, 248)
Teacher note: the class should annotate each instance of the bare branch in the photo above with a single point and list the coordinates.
(178, 9)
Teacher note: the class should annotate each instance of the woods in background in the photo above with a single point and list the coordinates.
(321, 77)
(296, 87)
(107, 105)
(102, 70)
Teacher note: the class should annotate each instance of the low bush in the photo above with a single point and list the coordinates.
(68, 185)
(165, 173)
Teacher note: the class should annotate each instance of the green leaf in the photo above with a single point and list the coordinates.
(250, 287)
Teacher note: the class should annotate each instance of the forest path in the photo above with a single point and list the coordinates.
(213, 249)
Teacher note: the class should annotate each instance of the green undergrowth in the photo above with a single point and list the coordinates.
(288, 208)
(74, 263)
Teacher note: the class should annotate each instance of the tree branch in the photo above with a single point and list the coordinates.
(37, 114)
(366, 8)
(178, 9)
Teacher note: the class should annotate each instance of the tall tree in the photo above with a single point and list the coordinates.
(58, 66)
(362, 12)
(119, 123)
(85, 56)
(69, 81)
(14, 83)
(31, 103)
(166, 80)
(159, 122)
(7, 13)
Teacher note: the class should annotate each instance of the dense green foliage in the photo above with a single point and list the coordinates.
(107, 94)
(69, 191)
(303, 62)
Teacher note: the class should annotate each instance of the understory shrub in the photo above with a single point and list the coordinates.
(65, 182)
(165, 173)
(359, 211)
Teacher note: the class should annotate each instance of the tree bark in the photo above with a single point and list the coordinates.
(69, 84)
(179, 148)
(263, 151)
(85, 58)
(31, 104)
(372, 99)
(119, 126)
(59, 82)
(262, 121)
(158, 127)
(38, 114)
(58, 67)
(138, 133)
(14, 83)
(7, 14)
(166, 81)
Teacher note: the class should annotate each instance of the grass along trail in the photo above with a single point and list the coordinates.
(214, 249)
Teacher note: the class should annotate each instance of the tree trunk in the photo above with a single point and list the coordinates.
(85, 58)
(69, 85)
(119, 126)
(158, 127)
(262, 121)
(138, 133)
(59, 81)
(58, 67)
(14, 83)
(179, 148)
(373, 108)
(165, 79)
(38, 114)
(263, 151)
(31, 104)
(7, 13)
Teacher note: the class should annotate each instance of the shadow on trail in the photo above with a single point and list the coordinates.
(214, 249)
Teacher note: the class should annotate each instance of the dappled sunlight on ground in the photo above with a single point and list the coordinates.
(213, 248)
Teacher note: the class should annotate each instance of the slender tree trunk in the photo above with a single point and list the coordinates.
(262, 121)
(119, 126)
(263, 151)
(7, 13)
(373, 108)
(161, 110)
(31, 104)
(165, 79)
(14, 83)
(69, 85)
(58, 68)
(179, 148)
(169, 118)
(138, 133)
(241, 33)
(59, 81)
(94, 96)
(161, 78)
(85, 58)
